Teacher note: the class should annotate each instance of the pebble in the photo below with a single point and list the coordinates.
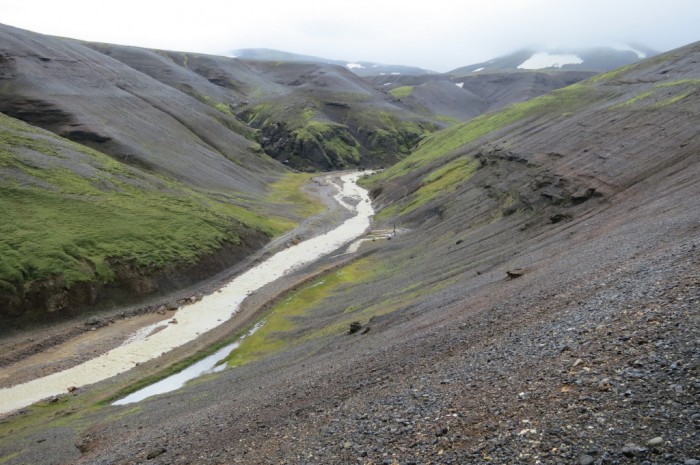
(655, 442)
(692, 462)
(586, 460)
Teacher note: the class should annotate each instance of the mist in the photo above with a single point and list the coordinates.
(439, 35)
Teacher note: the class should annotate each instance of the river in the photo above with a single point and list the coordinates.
(200, 317)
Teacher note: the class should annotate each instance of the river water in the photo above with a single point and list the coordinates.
(202, 316)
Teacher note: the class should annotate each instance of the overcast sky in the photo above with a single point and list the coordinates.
(434, 34)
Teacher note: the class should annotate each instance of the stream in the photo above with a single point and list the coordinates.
(191, 321)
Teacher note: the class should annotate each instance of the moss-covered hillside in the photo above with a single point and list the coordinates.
(76, 222)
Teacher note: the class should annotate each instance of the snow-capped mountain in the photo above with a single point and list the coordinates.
(598, 59)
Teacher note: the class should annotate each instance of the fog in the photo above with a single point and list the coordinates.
(438, 35)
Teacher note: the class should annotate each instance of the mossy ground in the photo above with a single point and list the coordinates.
(401, 92)
(69, 210)
(292, 312)
(441, 181)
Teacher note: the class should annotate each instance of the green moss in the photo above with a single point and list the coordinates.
(651, 98)
(401, 92)
(441, 181)
(335, 139)
(307, 113)
(223, 108)
(8, 457)
(75, 224)
(283, 319)
(287, 191)
(447, 119)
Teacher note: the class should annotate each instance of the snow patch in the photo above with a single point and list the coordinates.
(395, 73)
(545, 60)
(388, 83)
(459, 84)
(354, 65)
(627, 48)
(477, 70)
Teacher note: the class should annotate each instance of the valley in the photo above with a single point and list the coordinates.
(539, 305)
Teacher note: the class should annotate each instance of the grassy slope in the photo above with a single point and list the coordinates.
(69, 209)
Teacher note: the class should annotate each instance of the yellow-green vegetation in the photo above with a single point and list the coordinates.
(332, 137)
(401, 92)
(442, 143)
(69, 211)
(7, 458)
(611, 74)
(663, 94)
(440, 181)
(307, 113)
(67, 411)
(288, 192)
(447, 119)
(223, 108)
(282, 321)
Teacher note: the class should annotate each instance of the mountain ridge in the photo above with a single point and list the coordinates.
(361, 68)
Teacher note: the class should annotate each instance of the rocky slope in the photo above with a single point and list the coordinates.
(539, 306)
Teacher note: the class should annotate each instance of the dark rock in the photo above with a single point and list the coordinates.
(155, 452)
(631, 449)
(92, 321)
(559, 217)
(171, 306)
(355, 326)
(582, 195)
(515, 273)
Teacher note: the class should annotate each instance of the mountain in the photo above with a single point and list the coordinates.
(307, 115)
(598, 59)
(463, 97)
(540, 293)
(361, 68)
(116, 186)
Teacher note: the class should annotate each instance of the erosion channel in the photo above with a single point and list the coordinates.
(192, 321)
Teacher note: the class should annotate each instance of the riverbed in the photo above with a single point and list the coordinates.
(190, 322)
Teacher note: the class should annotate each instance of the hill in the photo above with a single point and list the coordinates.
(461, 98)
(131, 188)
(361, 68)
(310, 116)
(536, 306)
(596, 59)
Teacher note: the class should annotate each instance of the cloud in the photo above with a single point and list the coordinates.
(439, 34)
